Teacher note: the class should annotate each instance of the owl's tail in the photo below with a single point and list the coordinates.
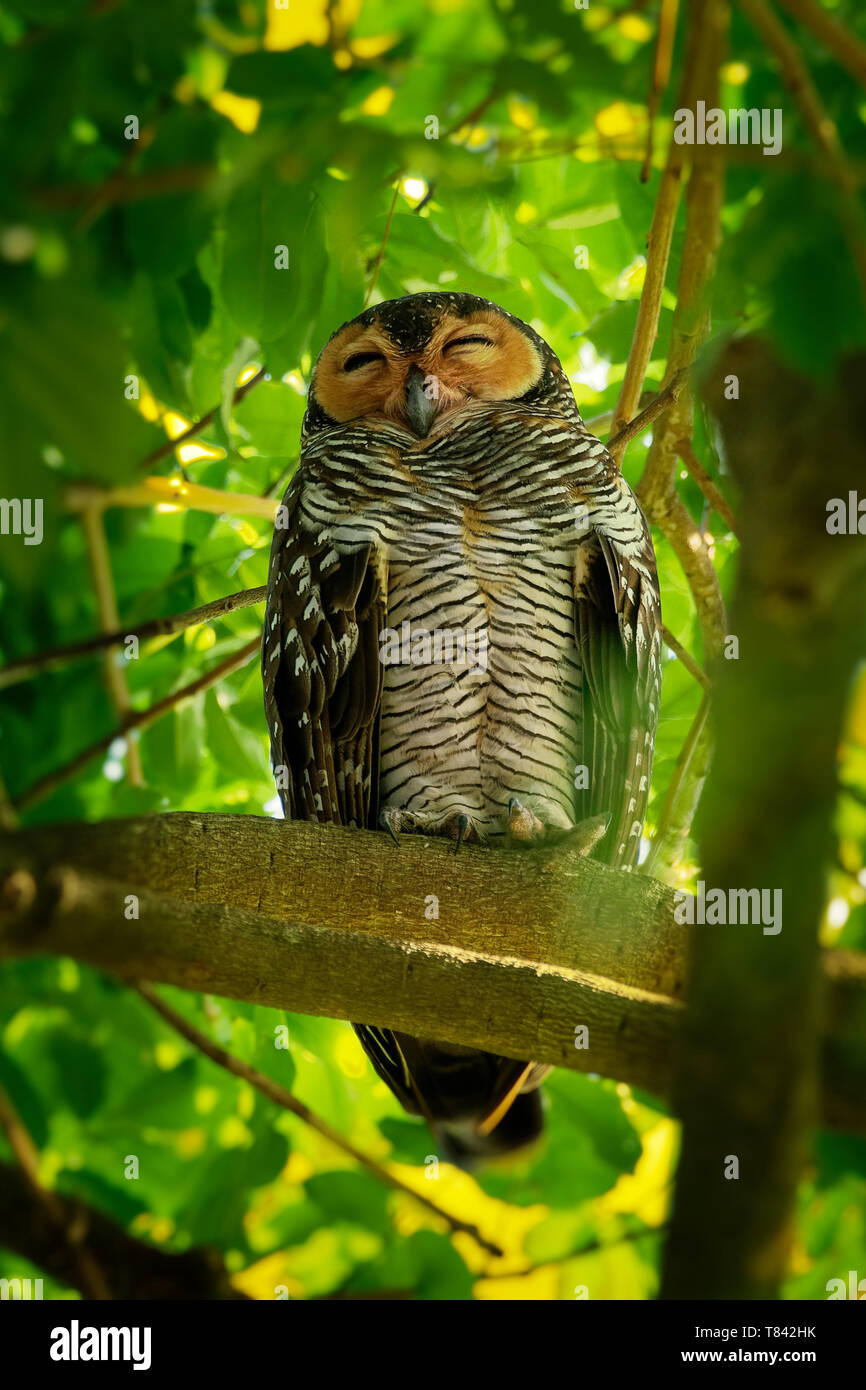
(467, 1148)
(478, 1105)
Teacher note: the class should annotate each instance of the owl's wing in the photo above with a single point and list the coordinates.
(618, 628)
(321, 670)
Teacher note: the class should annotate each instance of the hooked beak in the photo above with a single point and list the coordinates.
(421, 409)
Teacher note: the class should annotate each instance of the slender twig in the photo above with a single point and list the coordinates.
(798, 80)
(159, 183)
(381, 256)
(154, 183)
(92, 522)
(27, 666)
(658, 251)
(91, 1277)
(696, 470)
(842, 42)
(661, 74)
(590, 1249)
(280, 1096)
(703, 33)
(669, 825)
(164, 450)
(622, 150)
(106, 192)
(274, 484)
(140, 719)
(473, 116)
(685, 658)
(658, 404)
(657, 490)
(468, 119)
(691, 324)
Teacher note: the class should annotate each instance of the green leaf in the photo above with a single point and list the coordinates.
(266, 222)
(80, 1071)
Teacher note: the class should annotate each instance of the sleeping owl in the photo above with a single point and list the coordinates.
(462, 634)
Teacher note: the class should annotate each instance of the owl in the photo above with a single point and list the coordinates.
(462, 633)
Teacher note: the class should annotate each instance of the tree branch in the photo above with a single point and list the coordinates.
(26, 666)
(798, 80)
(173, 492)
(381, 256)
(842, 42)
(661, 74)
(140, 719)
(658, 404)
(682, 655)
(138, 1270)
(164, 450)
(278, 1095)
(525, 947)
(708, 20)
(674, 819)
(751, 1035)
(68, 1227)
(92, 523)
(699, 474)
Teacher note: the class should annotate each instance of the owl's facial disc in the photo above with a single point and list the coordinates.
(483, 357)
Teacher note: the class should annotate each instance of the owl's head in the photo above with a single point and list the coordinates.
(418, 359)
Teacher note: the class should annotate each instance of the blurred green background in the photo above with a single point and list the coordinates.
(151, 261)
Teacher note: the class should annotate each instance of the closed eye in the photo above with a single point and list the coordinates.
(464, 342)
(361, 359)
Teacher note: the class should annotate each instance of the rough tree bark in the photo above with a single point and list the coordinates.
(750, 1038)
(526, 946)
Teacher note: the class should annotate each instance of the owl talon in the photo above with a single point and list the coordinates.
(386, 818)
(463, 826)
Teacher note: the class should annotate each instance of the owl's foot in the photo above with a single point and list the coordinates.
(585, 835)
(461, 828)
(524, 828)
(395, 821)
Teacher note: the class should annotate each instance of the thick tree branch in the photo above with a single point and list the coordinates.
(562, 909)
(526, 946)
(751, 1034)
(67, 1226)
